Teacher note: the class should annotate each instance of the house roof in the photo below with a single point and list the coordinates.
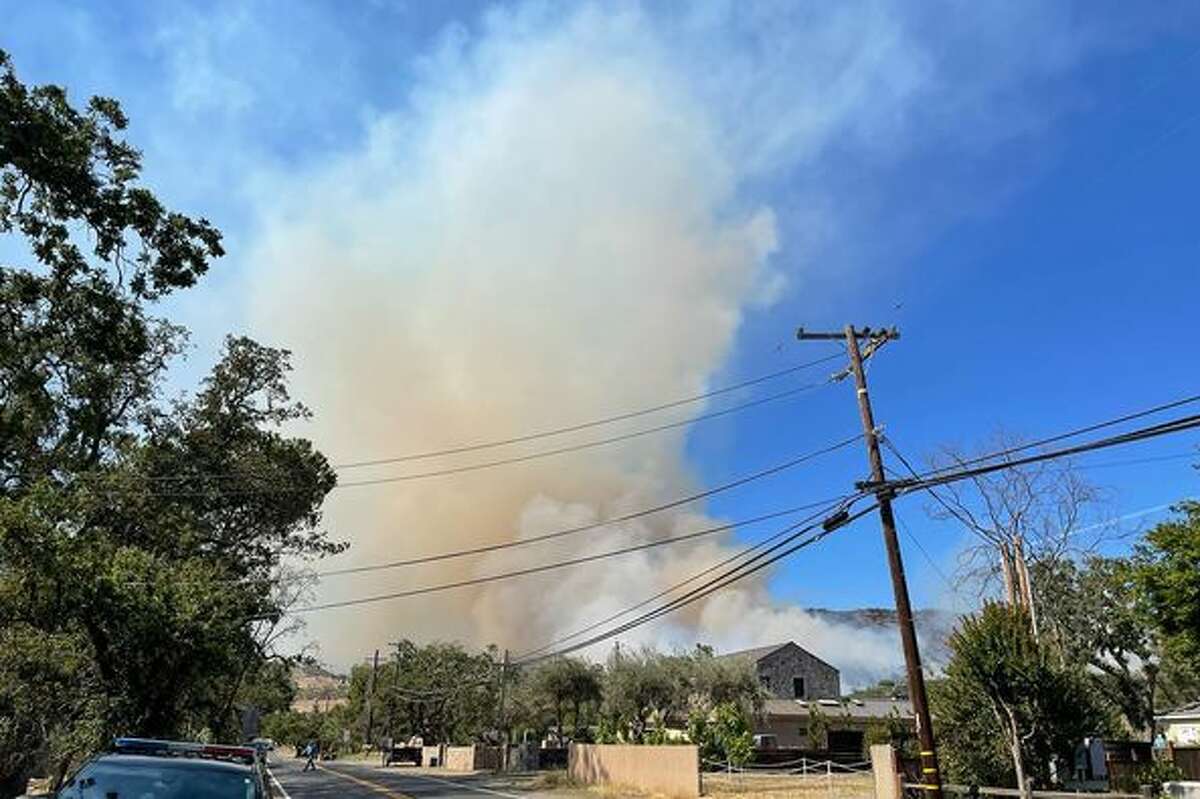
(1188, 711)
(854, 708)
(758, 653)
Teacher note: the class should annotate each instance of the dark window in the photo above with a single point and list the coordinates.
(764, 681)
(798, 687)
(846, 741)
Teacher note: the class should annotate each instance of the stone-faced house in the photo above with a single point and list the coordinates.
(804, 702)
(787, 671)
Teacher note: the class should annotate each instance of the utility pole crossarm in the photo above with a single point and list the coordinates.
(889, 333)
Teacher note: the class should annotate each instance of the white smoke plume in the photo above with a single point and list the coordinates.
(555, 229)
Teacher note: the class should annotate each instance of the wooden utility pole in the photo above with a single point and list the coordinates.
(396, 693)
(371, 698)
(503, 718)
(931, 781)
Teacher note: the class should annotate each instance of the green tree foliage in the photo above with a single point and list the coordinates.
(561, 689)
(1167, 570)
(268, 687)
(439, 692)
(642, 689)
(1131, 620)
(891, 730)
(717, 681)
(141, 537)
(1096, 615)
(292, 729)
(646, 691)
(722, 734)
(817, 729)
(1007, 696)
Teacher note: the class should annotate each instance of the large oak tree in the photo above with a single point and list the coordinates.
(140, 539)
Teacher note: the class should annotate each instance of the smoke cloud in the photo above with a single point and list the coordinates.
(554, 228)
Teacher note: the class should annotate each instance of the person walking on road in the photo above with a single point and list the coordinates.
(310, 752)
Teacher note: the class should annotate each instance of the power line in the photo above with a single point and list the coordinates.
(953, 511)
(638, 433)
(727, 578)
(789, 535)
(1069, 434)
(908, 533)
(422, 559)
(632, 548)
(559, 564)
(471, 467)
(573, 428)
(829, 506)
(940, 477)
(1138, 461)
(741, 481)
(972, 527)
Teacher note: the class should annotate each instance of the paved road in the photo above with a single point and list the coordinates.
(359, 781)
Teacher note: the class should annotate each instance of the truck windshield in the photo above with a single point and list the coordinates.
(163, 779)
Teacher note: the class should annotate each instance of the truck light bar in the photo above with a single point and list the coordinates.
(150, 746)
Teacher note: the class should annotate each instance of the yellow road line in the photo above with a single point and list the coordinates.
(374, 786)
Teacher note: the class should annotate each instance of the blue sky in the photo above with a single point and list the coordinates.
(1013, 185)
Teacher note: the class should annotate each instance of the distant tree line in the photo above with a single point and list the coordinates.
(442, 693)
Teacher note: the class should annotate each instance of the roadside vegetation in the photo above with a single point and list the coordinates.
(142, 530)
(1069, 642)
(441, 693)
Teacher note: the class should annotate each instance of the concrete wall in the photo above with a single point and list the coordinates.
(886, 772)
(1182, 790)
(670, 770)
(460, 758)
(431, 755)
(776, 671)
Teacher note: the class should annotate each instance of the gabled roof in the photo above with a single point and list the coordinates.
(758, 653)
(1188, 711)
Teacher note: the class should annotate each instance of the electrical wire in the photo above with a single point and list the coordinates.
(675, 503)
(632, 548)
(729, 577)
(953, 511)
(1069, 434)
(940, 477)
(1139, 461)
(559, 564)
(470, 467)
(573, 428)
(828, 508)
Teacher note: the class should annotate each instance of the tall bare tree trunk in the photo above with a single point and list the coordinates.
(1026, 585)
(1014, 745)
(1006, 568)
